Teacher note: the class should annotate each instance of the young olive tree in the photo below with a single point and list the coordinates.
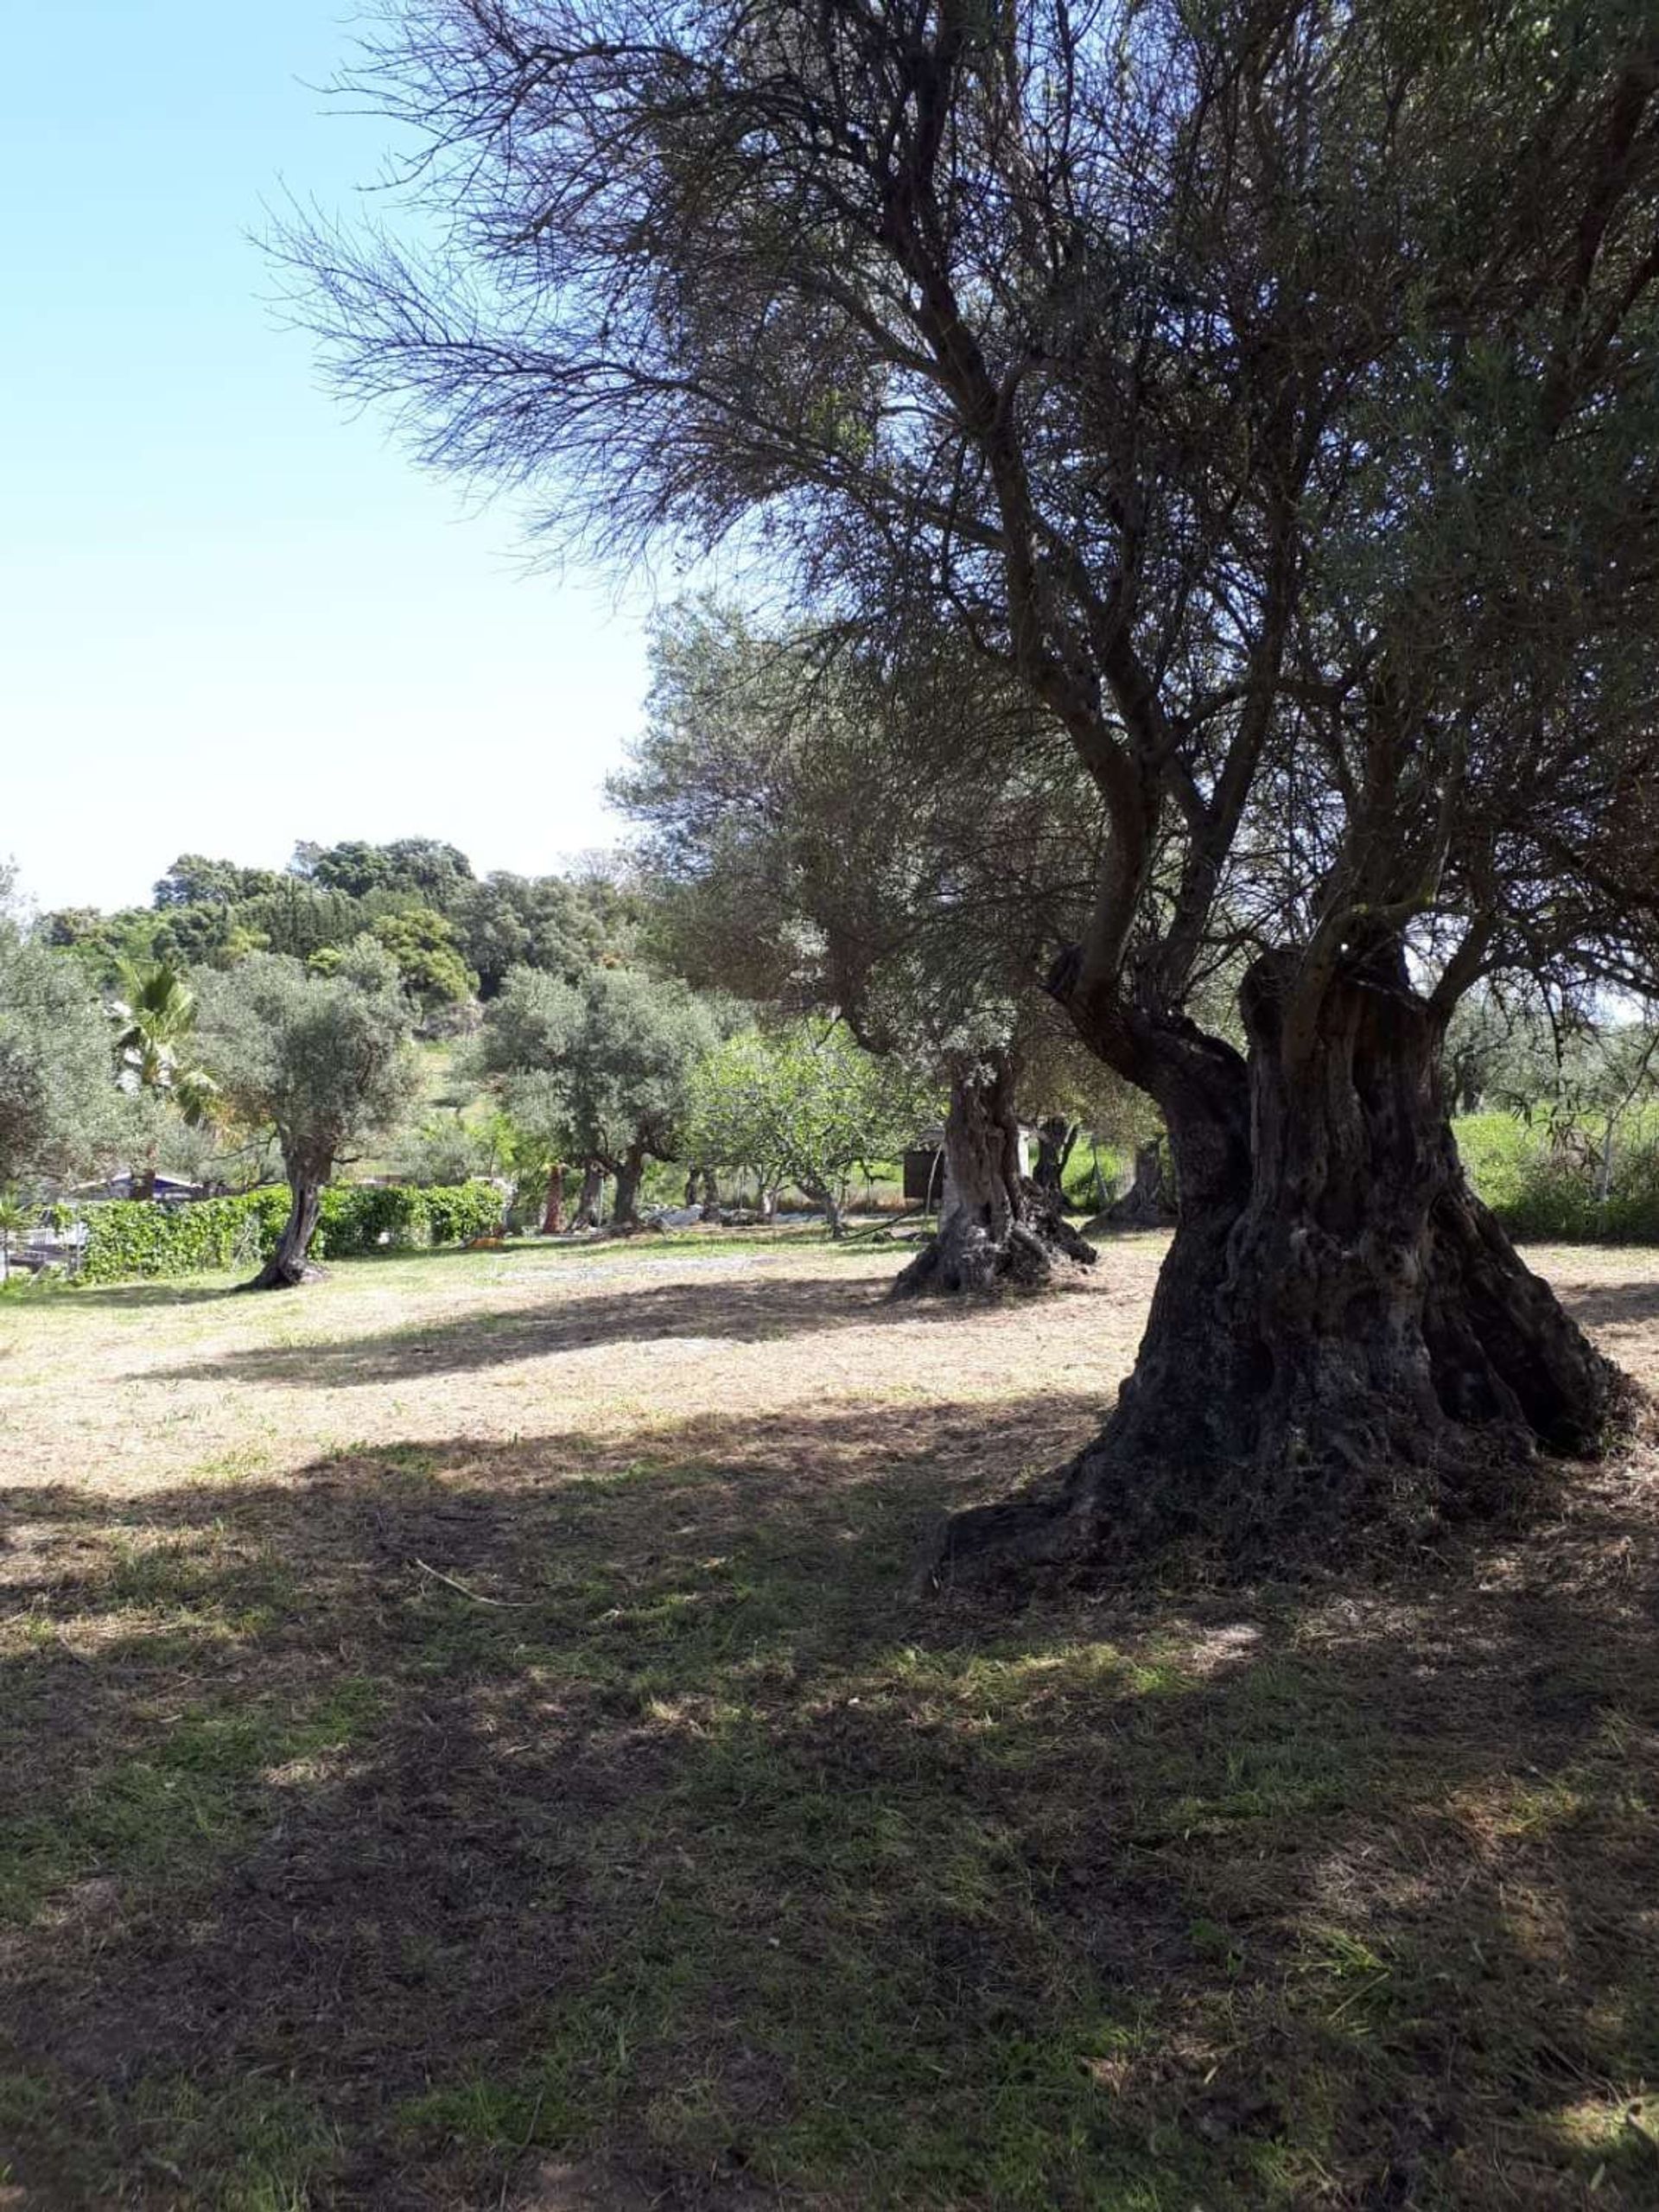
(1272, 392)
(605, 1062)
(323, 1063)
(804, 1108)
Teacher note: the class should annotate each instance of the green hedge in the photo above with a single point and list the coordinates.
(127, 1238)
(360, 1217)
(130, 1237)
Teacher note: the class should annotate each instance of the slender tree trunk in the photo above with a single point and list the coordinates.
(1344, 1345)
(624, 1208)
(995, 1228)
(553, 1208)
(290, 1264)
(822, 1195)
(711, 1200)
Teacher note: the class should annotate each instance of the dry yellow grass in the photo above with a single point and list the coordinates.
(123, 1387)
(470, 1746)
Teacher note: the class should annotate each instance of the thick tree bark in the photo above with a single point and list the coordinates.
(995, 1227)
(1149, 1202)
(553, 1205)
(1343, 1347)
(703, 1179)
(587, 1214)
(290, 1264)
(1056, 1140)
(624, 1207)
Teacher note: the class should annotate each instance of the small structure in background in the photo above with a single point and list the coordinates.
(169, 1190)
(40, 1247)
(923, 1166)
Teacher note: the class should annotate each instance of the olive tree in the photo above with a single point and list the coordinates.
(323, 1063)
(1273, 393)
(607, 1060)
(523, 1051)
(59, 1105)
(916, 924)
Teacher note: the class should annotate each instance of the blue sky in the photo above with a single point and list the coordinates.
(232, 616)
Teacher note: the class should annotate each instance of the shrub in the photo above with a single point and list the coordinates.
(458, 1212)
(1544, 1193)
(129, 1238)
(1499, 1153)
(1081, 1193)
(359, 1217)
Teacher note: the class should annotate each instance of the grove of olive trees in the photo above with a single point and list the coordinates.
(1269, 393)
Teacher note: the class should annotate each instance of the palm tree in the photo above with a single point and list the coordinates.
(155, 1018)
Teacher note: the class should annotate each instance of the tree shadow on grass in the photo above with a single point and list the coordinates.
(727, 1310)
(666, 1851)
(139, 1295)
(1612, 1304)
(554, 1260)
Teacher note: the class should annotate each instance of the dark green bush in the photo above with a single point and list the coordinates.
(456, 1212)
(127, 1238)
(364, 1218)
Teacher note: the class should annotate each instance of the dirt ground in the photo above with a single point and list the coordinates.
(470, 1739)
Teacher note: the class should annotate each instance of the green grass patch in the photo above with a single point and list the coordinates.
(168, 1815)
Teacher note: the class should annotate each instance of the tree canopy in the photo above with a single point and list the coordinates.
(58, 1102)
(919, 922)
(803, 1106)
(606, 1062)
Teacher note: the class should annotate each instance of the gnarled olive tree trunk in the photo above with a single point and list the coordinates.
(290, 1264)
(553, 1204)
(1343, 1343)
(995, 1226)
(625, 1206)
(1057, 1139)
(586, 1213)
(1149, 1202)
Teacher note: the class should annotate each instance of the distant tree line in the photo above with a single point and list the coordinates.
(452, 935)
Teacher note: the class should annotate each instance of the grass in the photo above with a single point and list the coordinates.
(473, 1747)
